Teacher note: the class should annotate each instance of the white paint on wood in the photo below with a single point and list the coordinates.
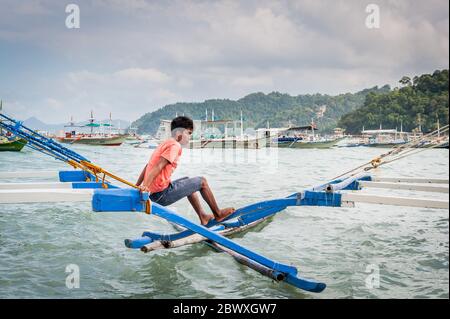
(45, 196)
(403, 186)
(17, 186)
(395, 201)
(28, 174)
(410, 180)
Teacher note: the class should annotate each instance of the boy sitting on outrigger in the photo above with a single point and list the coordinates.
(155, 178)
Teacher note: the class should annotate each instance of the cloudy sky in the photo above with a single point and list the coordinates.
(134, 56)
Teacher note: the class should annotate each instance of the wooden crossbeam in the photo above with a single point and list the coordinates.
(404, 186)
(348, 198)
(18, 186)
(28, 174)
(410, 180)
(24, 196)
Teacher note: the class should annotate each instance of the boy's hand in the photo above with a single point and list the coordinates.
(142, 188)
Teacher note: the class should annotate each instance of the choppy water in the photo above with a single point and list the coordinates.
(336, 245)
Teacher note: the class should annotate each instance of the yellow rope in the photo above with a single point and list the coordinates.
(148, 207)
(96, 170)
(407, 149)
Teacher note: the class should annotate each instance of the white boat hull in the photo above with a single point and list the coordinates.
(229, 143)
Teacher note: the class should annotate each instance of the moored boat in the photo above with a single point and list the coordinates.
(92, 138)
(133, 138)
(7, 142)
(15, 145)
(304, 137)
(299, 143)
(95, 139)
(389, 138)
(230, 142)
(216, 134)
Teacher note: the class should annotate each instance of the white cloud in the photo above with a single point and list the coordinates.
(142, 75)
(18, 110)
(121, 78)
(54, 104)
(257, 82)
(184, 82)
(36, 7)
(166, 94)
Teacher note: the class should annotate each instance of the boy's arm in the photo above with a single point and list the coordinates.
(141, 177)
(154, 171)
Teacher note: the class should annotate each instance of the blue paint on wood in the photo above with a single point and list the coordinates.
(118, 200)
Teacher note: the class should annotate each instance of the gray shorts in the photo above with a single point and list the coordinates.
(177, 190)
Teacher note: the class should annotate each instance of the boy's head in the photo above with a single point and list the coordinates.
(182, 128)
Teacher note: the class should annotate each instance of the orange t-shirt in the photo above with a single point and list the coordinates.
(171, 151)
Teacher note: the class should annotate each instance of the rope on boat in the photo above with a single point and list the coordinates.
(99, 170)
(401, 151)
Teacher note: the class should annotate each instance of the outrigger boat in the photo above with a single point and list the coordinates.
(208, 135)
(304, 137)
(92, 138)
(14, 145)
(8, 144)
(90, 183)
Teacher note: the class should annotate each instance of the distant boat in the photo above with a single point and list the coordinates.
(133, 141)
(353, 141)
(441, 142)
(15, 145)
(148, 144)
(304, 137)
(132, 138)
(230, 142)
(218, 134)
(92, 138)
(9, 143)
(443, 145)
(386, 138)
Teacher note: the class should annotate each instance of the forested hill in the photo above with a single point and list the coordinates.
(419, 101)
(258, 108)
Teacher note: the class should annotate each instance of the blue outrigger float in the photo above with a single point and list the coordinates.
(90, 183)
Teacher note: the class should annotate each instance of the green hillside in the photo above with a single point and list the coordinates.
(258, 108)
(419, 101)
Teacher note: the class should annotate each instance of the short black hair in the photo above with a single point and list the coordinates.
(182, 122)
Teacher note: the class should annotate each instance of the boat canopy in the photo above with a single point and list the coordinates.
(391, 131)
(302, 128)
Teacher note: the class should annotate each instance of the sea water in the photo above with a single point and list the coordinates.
(369, 251)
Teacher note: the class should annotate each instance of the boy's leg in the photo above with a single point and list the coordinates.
(209, 198)
(195, 202)
(187, 187)
(179, 189)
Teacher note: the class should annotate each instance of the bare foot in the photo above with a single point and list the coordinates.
(224, 213)
(204, 219)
